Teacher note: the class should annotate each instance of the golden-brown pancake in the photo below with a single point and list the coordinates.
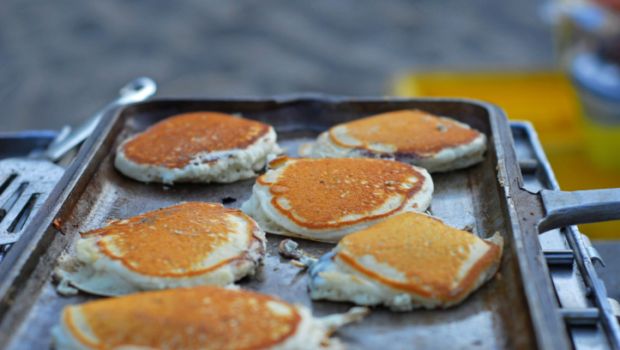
(408, 260)
(197, 147)
(412, 136)
(187, 244)
(324, 199)
(191, 318)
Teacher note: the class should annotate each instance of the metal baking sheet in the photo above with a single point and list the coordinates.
(516, 309)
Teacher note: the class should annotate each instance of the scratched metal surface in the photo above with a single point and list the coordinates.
(496, 316)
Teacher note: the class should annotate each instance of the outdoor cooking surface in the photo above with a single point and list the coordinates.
(63, 60)
(111, 195)
(496, 316)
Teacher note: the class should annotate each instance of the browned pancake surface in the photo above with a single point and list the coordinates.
(427, 252)
(170, 242)
(173, 142)
(193, 318)
(321, 192)
(408, 131)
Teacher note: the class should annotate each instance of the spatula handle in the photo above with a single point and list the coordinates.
(136, 90)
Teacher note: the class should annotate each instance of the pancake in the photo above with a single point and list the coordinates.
(204, 317)
(187, 244)
(198, 147)
(325, 199)
(411, 136)
(410, 260)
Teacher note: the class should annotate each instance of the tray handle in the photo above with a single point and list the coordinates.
(578, 207)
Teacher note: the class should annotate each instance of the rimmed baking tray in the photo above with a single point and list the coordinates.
(517, 309)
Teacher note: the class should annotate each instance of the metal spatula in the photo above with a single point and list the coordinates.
(26, 182)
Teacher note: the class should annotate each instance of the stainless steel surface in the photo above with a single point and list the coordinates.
(517, 309)
(61, 136)
(24, 185)
(26, 182)
(21, 144)
(582, 296)
(583, 318)
(591, 251)
(559, 257)
(615, 307)
(137, 90)
(579, 207)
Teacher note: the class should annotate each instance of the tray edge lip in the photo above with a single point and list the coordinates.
(549, 327)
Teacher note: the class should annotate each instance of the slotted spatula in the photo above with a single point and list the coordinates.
(26, 182)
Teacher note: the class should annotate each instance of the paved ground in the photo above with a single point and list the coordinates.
(60, 60)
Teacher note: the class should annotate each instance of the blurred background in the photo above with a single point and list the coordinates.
(551, 62)
(61, 60)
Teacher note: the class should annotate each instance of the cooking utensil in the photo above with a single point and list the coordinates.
(517, 309)
(26, 182)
